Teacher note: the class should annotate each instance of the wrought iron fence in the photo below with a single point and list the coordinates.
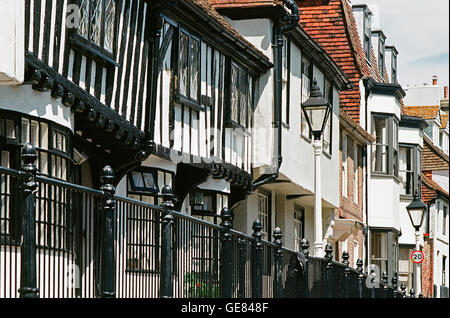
(64, 240)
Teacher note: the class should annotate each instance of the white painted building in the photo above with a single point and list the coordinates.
(288, 200)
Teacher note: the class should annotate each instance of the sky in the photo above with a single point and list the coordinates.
(420, 32)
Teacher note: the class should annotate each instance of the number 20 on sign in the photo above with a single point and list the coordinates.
(417, 257)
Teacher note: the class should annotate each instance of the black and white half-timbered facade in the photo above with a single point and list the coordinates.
(149, 87)
(161, 91)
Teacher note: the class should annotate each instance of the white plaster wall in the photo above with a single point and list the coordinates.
(259, 33)
(25, 100)
(422, 95)
(408, 231)
(12, 39)
(359, 19)
(384, 194)
(298, 153)
(441, 177)
(384, 104)
(409, 135)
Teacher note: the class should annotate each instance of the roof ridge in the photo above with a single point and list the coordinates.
(433, 185)
(435, 148)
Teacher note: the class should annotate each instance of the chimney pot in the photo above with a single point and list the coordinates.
(445, 92)
(434, 80)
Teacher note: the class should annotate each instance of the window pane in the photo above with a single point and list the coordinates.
(138, 181)
(184, 51)
(380, 150)
(109, 24)
(208, 203)
(35, 133)
(44, 136)
(96, 21)
(243, 99)
(234, 94)
(195, 64)
(25, 131)
(149, 180)
(10, 129)
(83, 29)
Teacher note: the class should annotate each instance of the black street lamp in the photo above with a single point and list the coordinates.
(316, 111)
(416, 211)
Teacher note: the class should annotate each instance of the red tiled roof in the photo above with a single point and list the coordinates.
(426, 112)
(332, 25)
(444, 120)
(433, 158)
(430, 189)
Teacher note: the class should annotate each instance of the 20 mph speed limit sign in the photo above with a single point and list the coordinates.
(417, 257)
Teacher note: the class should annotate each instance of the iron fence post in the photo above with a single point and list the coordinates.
(384, 280)
(345, 258)
(108, 208)
(403, 290)
(373, 281)
(359, 268)
(329, 269)
(242, 254)
(166, 286)
(278, 254)
(28, 274)
(412, 293)
(226, 272)
(394, 282)
(257, 261)
(304, 244)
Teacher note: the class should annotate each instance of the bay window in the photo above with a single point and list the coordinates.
(385, 148)
(406, 269)
(384, 251)
(410, 169)
(143, 224)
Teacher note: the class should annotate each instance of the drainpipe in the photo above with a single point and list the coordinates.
(279, 30)
(366, 163)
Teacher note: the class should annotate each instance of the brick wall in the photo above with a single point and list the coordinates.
(348, 208)
(427, 268)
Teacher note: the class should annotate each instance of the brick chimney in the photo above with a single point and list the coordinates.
(434, 80)
(445, 92)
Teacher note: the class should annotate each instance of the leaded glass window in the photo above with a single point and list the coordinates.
(239, 96)
(189, 67)
(97, 23)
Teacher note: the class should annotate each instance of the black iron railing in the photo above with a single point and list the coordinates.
(62, 240)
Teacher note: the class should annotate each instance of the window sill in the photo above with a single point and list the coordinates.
(189, 103)
(327, 154)
(406, 197)
(307, 139)
(84, 46)
(235, 125)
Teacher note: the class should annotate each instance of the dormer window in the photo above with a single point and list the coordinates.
(394, 69)
(97, 23)
(381, 50)
(367, 35)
